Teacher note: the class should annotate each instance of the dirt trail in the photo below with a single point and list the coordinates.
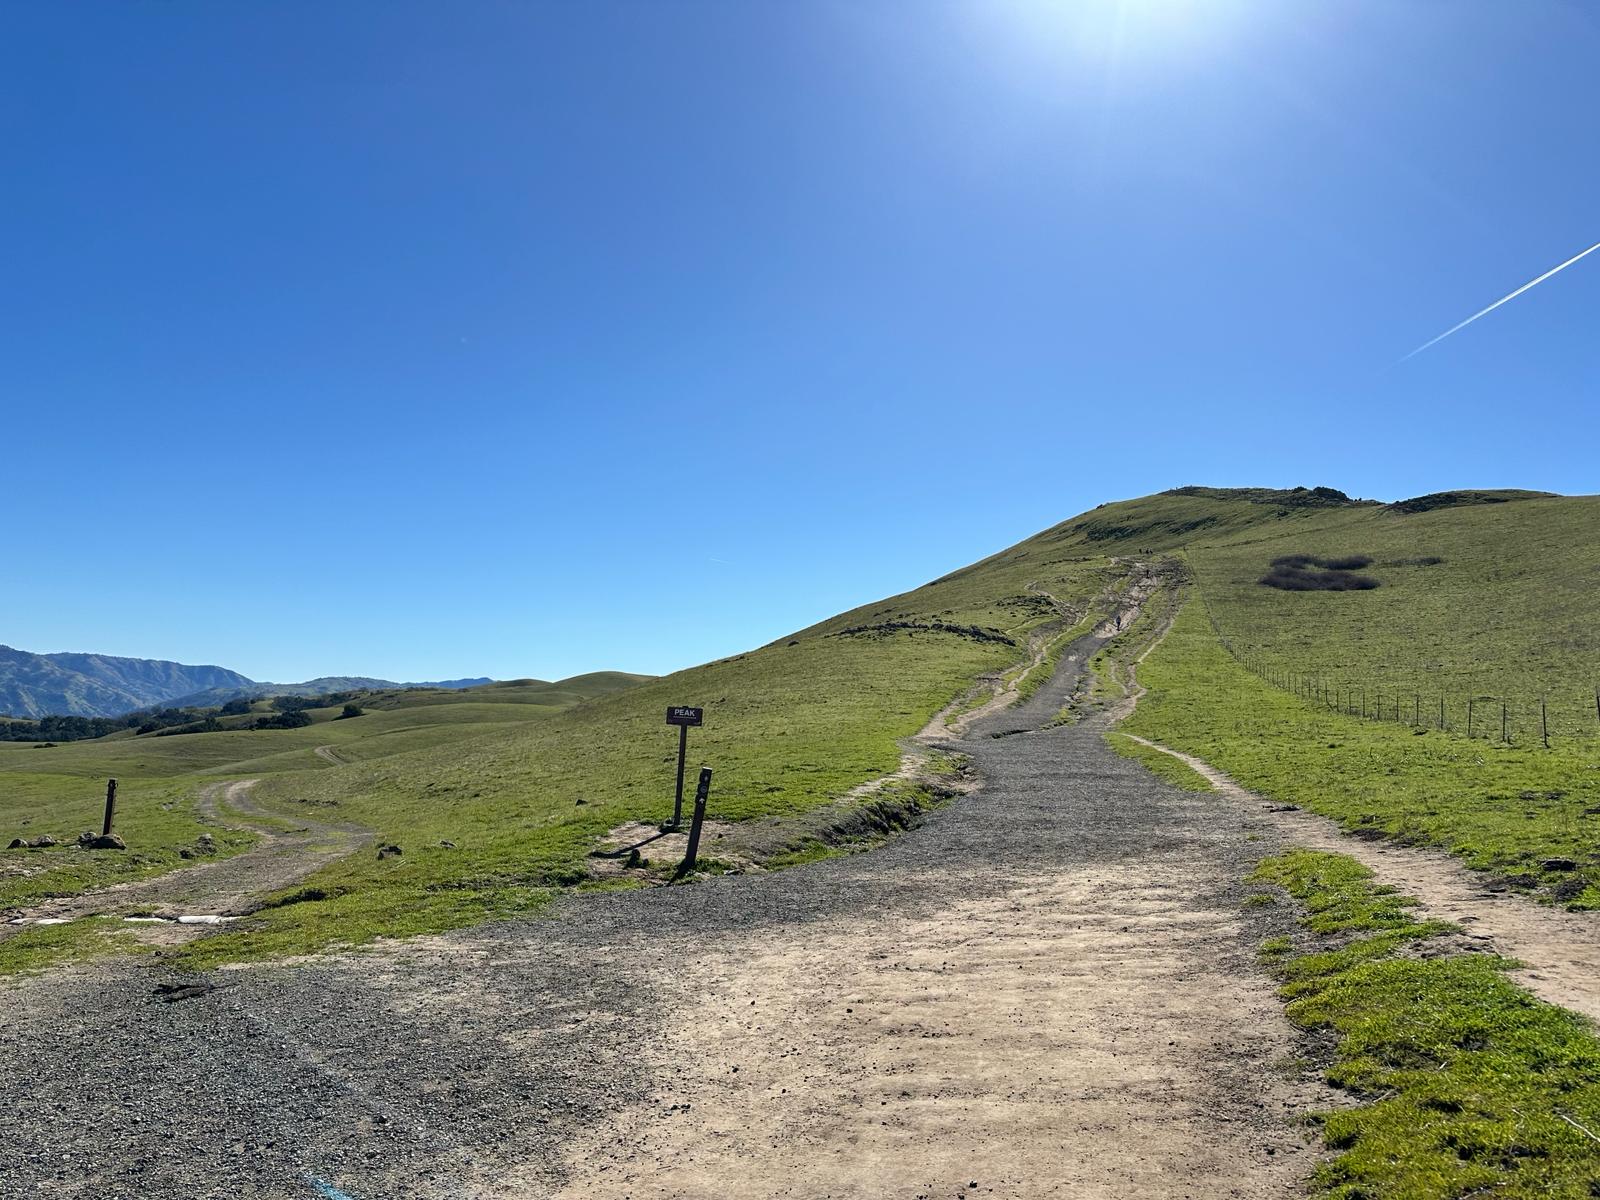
(1049, 989)
(1076, 1013)
(1560, 950)
(1076, 1036)
(214, 888)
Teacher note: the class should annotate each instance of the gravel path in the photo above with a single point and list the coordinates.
(1047, 990)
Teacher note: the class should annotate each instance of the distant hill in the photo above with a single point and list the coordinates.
(321, 686)
(98, 685)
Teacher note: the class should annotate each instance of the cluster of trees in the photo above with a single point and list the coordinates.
(289, 712)
(77, 729)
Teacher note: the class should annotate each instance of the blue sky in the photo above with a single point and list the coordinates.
(424, 340)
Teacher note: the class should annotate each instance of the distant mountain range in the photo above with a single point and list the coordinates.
(212, 696)
(100, 685)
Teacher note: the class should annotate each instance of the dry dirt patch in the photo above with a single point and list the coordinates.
(1078, 1035)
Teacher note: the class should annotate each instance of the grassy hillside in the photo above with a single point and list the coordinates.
(59, 790)
(1477, 599)
(790, 727)
(523, 778)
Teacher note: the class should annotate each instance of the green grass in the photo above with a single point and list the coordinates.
(1164, 766)
(1462, 1078)
(41, 947)
(1503, 809)
(1512, 610)
(60, 790)
(789, 728)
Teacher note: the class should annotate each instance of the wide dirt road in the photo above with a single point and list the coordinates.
(1047, 990)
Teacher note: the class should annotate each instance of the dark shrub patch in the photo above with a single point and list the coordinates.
(1308, 573)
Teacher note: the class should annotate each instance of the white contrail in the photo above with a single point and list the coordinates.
(1502, 300)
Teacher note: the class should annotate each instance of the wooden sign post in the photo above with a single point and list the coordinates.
(683, 717)
(692, 854)
(111, 807)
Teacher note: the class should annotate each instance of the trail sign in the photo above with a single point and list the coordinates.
(683, 717)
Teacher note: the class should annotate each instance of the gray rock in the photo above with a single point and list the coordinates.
(106, 841)
(1559, 864)
(17, 844)
(43, 840)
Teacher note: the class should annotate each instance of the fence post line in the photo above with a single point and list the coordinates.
(1505, 735)
(1441, 711)
(1544, 726)
(1469, 716)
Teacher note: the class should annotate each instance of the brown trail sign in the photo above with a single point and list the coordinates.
(683, 717)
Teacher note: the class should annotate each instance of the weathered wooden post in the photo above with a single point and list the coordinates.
(111, 806)
(1505, 732)
(701, 791)
(1469, 716)
(1544, 725)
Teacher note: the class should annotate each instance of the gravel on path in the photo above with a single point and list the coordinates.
(1049, 988)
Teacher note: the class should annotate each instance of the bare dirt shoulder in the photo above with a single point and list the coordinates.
(1559, 950)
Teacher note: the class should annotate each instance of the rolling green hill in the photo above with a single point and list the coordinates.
(523, 778)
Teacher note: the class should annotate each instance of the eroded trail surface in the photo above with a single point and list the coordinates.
(284, 854)
(1046, 990)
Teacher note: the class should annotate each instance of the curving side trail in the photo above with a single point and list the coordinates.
(283, 855)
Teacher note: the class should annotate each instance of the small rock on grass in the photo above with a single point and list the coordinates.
(389, 852)
(106, 841)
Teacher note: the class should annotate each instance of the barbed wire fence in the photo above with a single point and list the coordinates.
(1506, 717)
